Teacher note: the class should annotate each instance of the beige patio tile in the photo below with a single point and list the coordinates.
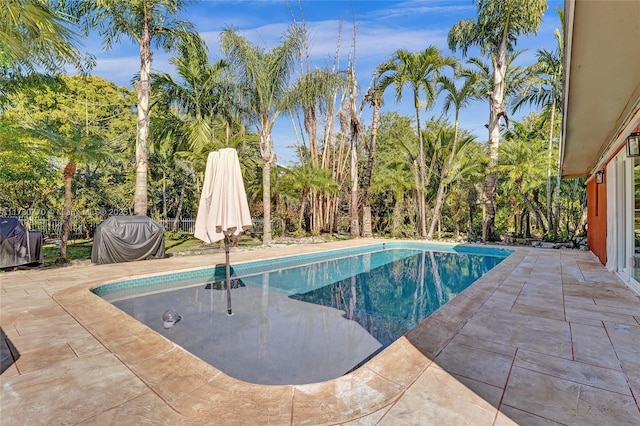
(598, 277)
(345, 398)
(579, 300)
(491, 394)
(572, 273)
(484, 366)
(499, 302)
(566, 401)
(74, 390)
(596, 290)
(604, 378)
(131, 340)
(579, 315)
(173, 374)
(605, 308)
(486, 345)
(508, 291)
(624, 303)
(509, 416)
(89, 308)
(14, 307)
(591, 345)
(371, 419)
(87, 346)
(541, 289)
(625, 339)
(549, 276)
(43, 321)
(49, 337)
(432, 334)
(44, 358)
(530, 307)
(523, 331)
(401, 362)
(632, 371)
(228, 401)
(438, 398)
(146, 409)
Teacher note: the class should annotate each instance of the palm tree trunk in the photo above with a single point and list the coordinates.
(366, 179)
(144, 93)
(164, 195)
(355, 224)
(68, 173)
(440, 197)
(421, 171)
(176, 221)
(496, 105)
(266, 202)
(550, 219)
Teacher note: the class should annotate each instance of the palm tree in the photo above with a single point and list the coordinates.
(202, 98)
(374, 98)
(303, 179)
(522, 163)
(144, 22)
(495, 32)
(458, 98)
(419, 70)
(544, 89)
(75, 148)
(263, 77)
(33, 37)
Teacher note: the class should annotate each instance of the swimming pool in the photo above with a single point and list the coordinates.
(307, 318)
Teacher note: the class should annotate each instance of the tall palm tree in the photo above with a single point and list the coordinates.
(458, 98)
(374, 98)
(544, 89)
(420, 71)
(264, 79)
(144, 22)
(313, 94)
(495, 32)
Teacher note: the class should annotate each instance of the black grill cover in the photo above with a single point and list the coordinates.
(127, 239)
(19, 246)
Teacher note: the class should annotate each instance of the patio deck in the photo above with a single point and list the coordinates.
(547, 337)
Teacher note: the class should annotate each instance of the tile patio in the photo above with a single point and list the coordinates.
(548, 337)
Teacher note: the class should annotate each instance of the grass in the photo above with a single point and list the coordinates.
(175, 244)
(76, 250)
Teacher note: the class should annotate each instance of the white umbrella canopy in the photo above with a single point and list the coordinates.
(223, 209)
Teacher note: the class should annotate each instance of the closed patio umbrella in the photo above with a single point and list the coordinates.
(223, 209)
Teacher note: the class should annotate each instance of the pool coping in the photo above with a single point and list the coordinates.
(197, 390)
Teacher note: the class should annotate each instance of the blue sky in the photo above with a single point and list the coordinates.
(382, 28)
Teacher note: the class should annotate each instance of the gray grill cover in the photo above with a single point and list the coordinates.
(19, 246)
(127, 239)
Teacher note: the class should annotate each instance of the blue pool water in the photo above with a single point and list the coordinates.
(307, 323)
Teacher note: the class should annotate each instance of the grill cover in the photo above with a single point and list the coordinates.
(127, 239)
(19, 246)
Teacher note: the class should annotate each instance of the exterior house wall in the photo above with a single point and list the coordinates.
(597, 219)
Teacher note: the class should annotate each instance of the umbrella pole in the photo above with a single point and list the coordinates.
(226, 250)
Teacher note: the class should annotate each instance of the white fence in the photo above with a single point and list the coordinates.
(185, 225)
(81, 227)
